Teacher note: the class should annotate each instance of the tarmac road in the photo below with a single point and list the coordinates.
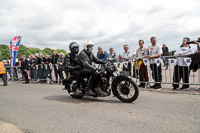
(42, 108)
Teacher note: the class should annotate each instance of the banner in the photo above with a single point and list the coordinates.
(145, 60)
(14, 47)
(172, 62)
(157, 62)
(188, 61)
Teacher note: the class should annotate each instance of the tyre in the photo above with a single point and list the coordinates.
(125, 89)
(72, 90)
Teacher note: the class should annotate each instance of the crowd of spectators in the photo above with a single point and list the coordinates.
(40, 68)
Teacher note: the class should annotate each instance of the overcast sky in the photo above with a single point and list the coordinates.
(108, 23)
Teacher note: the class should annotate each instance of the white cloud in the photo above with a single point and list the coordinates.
(109, 23)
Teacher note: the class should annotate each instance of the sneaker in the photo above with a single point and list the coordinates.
(158, 87)
(6, 84)
(71, 93)
(184, 88)
(153, 86)
(198, 89)
(141, 85)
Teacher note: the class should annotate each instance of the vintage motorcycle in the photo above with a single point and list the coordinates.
(122, 86)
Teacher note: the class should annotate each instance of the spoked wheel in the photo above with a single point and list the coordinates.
(72, 90)
(125, 89)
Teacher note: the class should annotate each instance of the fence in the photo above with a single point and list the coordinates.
(140, 70)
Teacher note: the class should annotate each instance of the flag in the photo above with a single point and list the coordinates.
(14, 47)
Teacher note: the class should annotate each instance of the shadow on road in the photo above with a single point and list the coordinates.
(69, 99)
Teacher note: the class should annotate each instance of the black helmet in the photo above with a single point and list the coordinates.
(74, 47)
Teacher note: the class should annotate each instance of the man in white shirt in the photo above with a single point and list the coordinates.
(140, 54)
(127, 56)
(181, 70)
(154, 52)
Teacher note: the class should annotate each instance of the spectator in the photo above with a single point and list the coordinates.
(60, 63)
(8, 71)
(40, 63)
(99, 49)
(198, 45)
(165, 52)
(43, 70)
(3, 73)
(181, 70)
(112, 56)
(54, 62)
(16, 69)
(35, 68)
(25, 68)
(140, 54)
(31, 63)
(154, 52)
(47, 68)
(127, 56)
(102, 55)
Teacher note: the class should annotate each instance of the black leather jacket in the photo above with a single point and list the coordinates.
(72, 62)
(86, 59)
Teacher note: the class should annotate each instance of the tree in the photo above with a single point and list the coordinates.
(47, 51)
(61, 50)
(4, 52)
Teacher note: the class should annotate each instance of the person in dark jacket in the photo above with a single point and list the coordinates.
(54, 58)
(87, 57)
(60, 63)
(30, 62)
(25, 68)
(165, 51)
(72, 63)
(112, 56)
(47, 71)
(40, 62)
(35, 66)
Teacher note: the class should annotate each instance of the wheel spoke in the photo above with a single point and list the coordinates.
(129, 85)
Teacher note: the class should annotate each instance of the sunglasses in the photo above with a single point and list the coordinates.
(90, 46)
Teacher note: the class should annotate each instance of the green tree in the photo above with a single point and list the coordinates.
(61, 50)
(47, 51)
(4, 52)
(34, 50)
(22, 50)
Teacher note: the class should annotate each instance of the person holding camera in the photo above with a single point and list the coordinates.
(181, 70)
(198, 45)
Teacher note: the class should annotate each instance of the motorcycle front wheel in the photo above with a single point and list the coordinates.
(125, 89)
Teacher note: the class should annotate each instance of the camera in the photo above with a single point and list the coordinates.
(191, 42)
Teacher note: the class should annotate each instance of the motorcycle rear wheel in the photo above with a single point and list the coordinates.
(71, 88)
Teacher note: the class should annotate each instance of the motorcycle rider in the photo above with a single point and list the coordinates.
(72, 63)
(87, 57)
